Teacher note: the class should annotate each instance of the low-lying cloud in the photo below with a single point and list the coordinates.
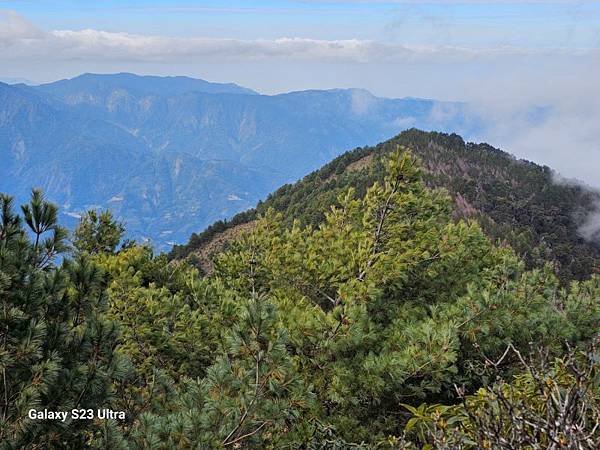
(549, 116)
(590, 230)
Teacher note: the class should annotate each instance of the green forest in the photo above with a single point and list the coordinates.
(362, 309)
(516, 202)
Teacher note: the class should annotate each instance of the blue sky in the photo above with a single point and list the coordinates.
(536, 24)
(502, 29)
(502, 57)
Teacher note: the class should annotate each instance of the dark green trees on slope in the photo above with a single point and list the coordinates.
(354, 333)
(516, 202)
(387, 303)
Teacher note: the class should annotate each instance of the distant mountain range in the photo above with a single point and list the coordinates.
(13, 80)
(170, 155)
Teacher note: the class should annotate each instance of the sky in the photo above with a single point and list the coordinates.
(503, 57)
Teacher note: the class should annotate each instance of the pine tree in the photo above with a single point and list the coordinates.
(251, 396)
(391, 301)
(56, 346)
(98, 232)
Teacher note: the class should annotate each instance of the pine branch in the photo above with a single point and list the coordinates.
(379, 230)
(245, 435)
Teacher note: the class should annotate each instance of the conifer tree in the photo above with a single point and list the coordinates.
(251, 396)
(56, 346)
(390, 301)
(98, 232)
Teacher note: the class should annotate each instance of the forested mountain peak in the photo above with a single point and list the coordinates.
(516, 201)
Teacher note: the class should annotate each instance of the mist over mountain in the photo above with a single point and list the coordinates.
(171, 155)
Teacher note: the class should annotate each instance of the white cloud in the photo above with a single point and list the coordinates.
(22, 41)
(15, 29)
(590, 230)
(547, 112)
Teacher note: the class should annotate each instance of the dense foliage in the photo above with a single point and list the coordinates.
(56, 343)
(98, 232)
(516, 202)
(376, 328)
(551, 404)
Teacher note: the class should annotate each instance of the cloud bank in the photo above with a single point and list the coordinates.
(22, 40)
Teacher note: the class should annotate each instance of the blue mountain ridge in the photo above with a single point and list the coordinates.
(170, 155)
